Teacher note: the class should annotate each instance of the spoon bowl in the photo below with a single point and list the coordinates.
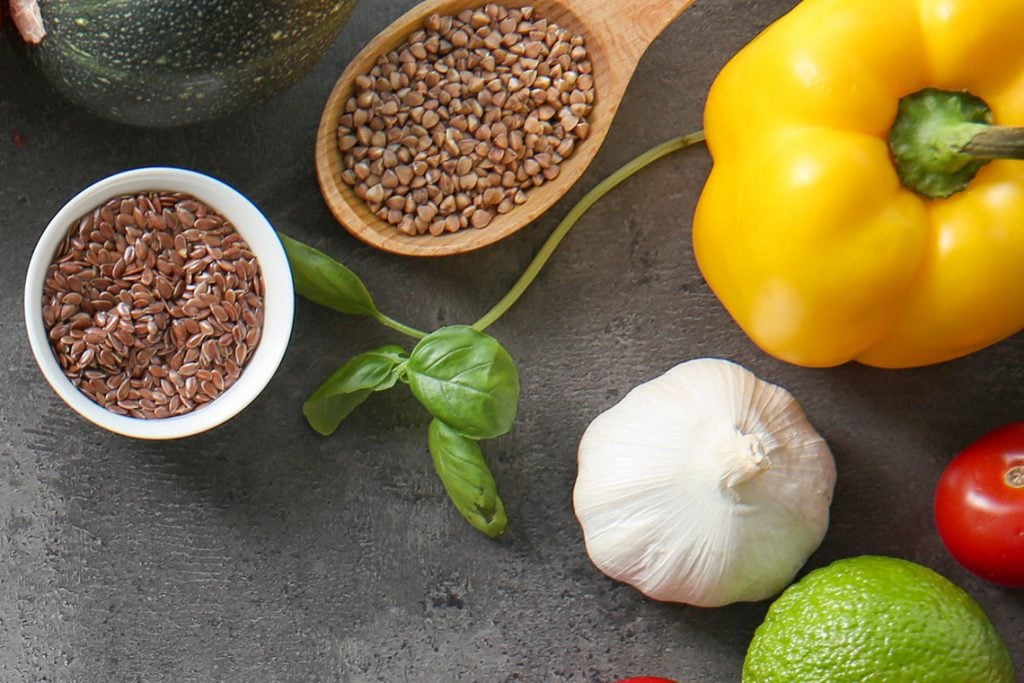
(617, 35)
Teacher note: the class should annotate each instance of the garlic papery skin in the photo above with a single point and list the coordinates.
(704, 486)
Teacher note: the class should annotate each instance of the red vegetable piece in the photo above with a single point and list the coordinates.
(979, 506)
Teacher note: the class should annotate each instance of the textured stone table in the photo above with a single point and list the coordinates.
(262, 552)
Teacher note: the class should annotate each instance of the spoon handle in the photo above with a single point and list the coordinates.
(629, 26)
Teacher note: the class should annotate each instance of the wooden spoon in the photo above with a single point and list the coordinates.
(617, 32)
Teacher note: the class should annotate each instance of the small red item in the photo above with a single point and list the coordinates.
(979, 506)
(645, 679)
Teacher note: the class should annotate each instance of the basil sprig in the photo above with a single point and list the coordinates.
(464, 377)
(351, 384)
(324, 281)
(460, 464)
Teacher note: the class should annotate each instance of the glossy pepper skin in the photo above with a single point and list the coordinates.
(804, 230)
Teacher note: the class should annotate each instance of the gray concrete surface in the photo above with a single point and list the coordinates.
(263, 552)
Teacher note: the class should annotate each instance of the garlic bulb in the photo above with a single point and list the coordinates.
(705, 486)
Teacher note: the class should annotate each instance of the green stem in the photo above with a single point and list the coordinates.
(563, 228)
(388, 321)
(941, 139)
(997, 142)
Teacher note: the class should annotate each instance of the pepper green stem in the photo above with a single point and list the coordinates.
(997, 142)
(941, 139)
(574, 215)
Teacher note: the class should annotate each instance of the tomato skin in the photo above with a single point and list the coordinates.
(979, 506)
(645, 679)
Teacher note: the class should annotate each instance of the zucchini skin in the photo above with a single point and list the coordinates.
(163, 63)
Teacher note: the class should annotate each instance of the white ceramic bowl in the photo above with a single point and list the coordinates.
(279, 302)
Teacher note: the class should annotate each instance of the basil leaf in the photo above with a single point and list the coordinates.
(466, 379)
(324, 281)
(461, 466)
(351, 384)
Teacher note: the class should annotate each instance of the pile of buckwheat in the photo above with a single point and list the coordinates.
(455, 125)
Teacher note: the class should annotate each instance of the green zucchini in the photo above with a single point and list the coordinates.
(174, 62)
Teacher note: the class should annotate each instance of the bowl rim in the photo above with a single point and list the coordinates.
(279, 300)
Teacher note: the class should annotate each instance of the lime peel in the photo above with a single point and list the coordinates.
(874, 618)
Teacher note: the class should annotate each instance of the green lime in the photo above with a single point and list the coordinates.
(872, 618)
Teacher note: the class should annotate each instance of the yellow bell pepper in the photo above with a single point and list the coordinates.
(808, 230)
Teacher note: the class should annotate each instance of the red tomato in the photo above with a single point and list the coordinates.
(645, 679)
(979, 506)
